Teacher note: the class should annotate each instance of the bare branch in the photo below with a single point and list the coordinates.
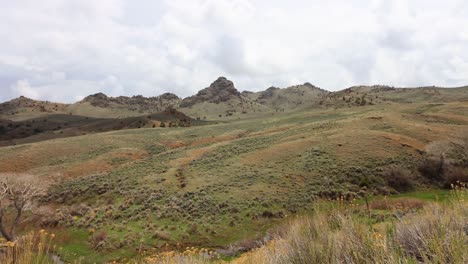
(17, 192)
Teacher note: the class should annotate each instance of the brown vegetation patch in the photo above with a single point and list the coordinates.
(87, 168)
(129, 154)
(221, 138)
(402, 204)
(277, 151)
(174, 144)
(191, 156)
(272, 131)
(404, 140)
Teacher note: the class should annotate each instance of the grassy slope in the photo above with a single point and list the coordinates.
(210, 185)
(62, 126)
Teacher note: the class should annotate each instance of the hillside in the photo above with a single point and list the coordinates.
(378, 94)
(60, 125)
(25, 107)
(220, 99)
(100, 104)
(220, 183)
(290, 98)
(115, 175)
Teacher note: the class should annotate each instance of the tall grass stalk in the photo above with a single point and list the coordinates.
(32, 248)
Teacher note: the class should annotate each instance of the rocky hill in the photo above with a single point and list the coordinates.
(290, 98)
(136, 104)
(381, 94)
(220, 99)
(26, 106)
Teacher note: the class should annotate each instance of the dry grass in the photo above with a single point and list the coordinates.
(32, 248)
(401, 204)
(437, 234)
(189, 256)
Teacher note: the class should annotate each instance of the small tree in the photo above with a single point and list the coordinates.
(17, 195)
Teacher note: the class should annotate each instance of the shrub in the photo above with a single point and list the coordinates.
(454, 175)
(433, 168)
(98, 240)
(399, 179)
(161, 235)
(436, 235)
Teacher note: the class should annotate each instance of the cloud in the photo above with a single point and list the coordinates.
(22, 88)
(64, 50)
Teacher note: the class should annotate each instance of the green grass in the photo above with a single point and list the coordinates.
(429, 195)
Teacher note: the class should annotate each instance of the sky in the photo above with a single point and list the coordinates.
(63, 50)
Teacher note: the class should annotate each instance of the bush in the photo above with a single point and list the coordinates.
(454, 175)
(161, 235)
(433, 168)
(98, 240)
(399, 179)
(435, 235)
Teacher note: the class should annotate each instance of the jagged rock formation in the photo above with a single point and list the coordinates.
(219, 91)
(220, 99)
(136, 103)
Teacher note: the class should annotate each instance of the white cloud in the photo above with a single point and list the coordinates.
(68, 49)
(22, 88)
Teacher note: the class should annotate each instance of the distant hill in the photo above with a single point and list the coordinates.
(221, 100)
(290, 98)
(137, 103)
(25, 106)
(379, 94)
(61, 125)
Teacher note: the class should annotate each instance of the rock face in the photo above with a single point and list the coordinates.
(268, 93)
(221, 90)
(99, 100)
(168, 96)
(135, 103)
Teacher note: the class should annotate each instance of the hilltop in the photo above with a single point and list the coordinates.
(137, 104)
(31, 120)
(223, 101)
(290, 98)
(220, 99)
(26, 106)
